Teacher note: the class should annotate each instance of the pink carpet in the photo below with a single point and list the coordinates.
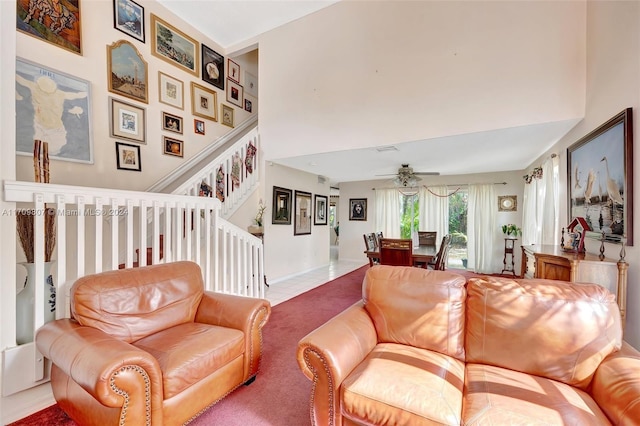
(280, 394)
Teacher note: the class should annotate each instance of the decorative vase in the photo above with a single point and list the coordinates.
(255, 229)
(25, 302)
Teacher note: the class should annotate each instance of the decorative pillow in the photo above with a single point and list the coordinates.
(553, 329)
(417, 307)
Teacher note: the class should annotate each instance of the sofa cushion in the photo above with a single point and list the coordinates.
(189, 352)
(552, 329)
(497, 396)
(133, 303)
(417, 307)
(404, 385)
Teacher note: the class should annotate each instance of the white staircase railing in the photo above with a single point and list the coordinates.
(240, 174)
(101, 229)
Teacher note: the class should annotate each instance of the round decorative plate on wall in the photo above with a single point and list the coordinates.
(507, 203)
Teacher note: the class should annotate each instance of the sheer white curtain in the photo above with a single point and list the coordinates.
(387, 217)
(481, 226)
(434, 210)
(541, 206)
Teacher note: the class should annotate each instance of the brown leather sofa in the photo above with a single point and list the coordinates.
(423, 348)
(148, 346)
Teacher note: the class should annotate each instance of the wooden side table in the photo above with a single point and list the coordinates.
(509, 245)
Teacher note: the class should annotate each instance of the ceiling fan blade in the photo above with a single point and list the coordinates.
(427, 173)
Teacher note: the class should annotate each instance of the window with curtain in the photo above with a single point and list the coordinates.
(541, 204)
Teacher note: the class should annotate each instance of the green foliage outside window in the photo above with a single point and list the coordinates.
(409, 216)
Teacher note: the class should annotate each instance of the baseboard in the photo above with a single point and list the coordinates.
(287, 277)
(25, 403)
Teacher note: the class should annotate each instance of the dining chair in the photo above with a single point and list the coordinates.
(396, 252)
(440, 262)
(370, 244)
(427, 238)
(379, 236)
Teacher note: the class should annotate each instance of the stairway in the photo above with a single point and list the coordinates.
(149, 255)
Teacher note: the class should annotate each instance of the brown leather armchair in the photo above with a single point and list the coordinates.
(148, 346)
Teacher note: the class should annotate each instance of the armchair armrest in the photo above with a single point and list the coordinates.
(329, 353)
(113, 372)
(616, 386)
(247, 314)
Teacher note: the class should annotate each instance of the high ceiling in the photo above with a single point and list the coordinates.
(234, 22)
(229, 22)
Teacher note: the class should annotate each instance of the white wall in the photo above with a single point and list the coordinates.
(351, 242)
(98, 32)
(613, 84)
(287, 254)
(363, 74)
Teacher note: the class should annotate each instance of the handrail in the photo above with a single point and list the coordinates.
(187, 167)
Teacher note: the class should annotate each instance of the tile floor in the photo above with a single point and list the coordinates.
(281, 291)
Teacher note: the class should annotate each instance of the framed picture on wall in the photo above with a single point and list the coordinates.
(173, 46)
(128, 157)
(227, 115)
(600, 173)
(235, 93)
(70, 138)
(62, 29)
(281, 206)
(320, 216)
(127, 71)
(127, 121)
(234, 71)
(173, 146)
(171, 123)
(170, 90)
(303, 210)
(212, 67)
(357, 209)
(128, 17)
(198, 126)
(204, 102)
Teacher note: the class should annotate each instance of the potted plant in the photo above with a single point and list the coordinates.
(257, 227)
(511, 231)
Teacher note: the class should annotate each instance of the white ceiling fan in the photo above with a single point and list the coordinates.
(406, 177)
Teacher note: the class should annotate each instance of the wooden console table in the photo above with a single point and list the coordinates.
(553, 263)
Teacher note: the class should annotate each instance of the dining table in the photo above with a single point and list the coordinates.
(421, 255)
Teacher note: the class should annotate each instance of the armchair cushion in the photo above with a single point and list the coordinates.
(435, 380)
(531, 326)
(152, 299)
(415, 307)
(189, 352)
(497, 396)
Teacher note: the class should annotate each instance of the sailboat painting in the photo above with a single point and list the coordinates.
(600, 179)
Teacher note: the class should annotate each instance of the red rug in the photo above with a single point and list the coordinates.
(280, 394)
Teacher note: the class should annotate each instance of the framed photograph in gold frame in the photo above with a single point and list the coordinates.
(227, 115)
(507, 203)
(173, 46)
(127, 71)
(204, 102)
(170, 90)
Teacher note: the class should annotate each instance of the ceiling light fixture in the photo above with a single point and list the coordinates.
(405, 177)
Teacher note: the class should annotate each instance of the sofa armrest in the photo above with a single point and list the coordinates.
(115, 373)
(616, 386)
(247, 314)
(329, 353)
